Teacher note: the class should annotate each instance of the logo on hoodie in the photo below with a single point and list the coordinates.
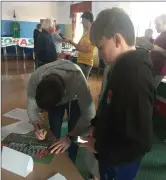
(109, 96)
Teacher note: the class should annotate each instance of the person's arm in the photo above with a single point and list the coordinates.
(142, 42)
(159, 49)
(86, 106)
(62, 36)
(32, 108)
(86, 47)
(139, 104)
(57, 38)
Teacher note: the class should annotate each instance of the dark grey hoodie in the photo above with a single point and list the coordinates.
(76, 87)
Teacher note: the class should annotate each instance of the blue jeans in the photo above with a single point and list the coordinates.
(55, 117)
(125, 172)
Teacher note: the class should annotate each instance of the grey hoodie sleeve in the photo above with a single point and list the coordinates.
(85, 101)
(32, 108)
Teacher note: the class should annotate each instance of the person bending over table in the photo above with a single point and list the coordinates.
(56, 87)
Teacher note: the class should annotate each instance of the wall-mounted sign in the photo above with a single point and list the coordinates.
(23, 42)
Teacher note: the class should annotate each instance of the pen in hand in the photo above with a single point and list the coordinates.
(40, 129)
(39, 126)
(40, 133)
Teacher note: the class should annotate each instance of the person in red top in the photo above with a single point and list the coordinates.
(159, 59)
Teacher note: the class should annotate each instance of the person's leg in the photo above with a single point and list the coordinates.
(85, 69)
(106, 173)
(92, 165)
(126, 172)
(55, 117)
(74, 113)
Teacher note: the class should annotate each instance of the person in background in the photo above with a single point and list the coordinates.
(56, 87)
(85, 47)
(45, 49)
(121, 133)
(159, 59)
(36, 32)
(58, 30)
(57, 39)
(149, 35)
(145, 41)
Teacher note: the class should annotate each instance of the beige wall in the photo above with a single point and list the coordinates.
(68, 31)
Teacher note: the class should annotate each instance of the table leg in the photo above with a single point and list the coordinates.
(23, 53)
(16, 51)
(5, 53)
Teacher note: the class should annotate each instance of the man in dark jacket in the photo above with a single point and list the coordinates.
(36, 32)
(121, 133)
(45, 49)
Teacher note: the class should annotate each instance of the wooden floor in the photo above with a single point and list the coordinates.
(15, 76)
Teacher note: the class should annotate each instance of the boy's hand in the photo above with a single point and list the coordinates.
(88, 145)
(60, 146)
(39, 132)
(91, 131)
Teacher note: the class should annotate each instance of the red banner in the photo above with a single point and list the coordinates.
(80, 7)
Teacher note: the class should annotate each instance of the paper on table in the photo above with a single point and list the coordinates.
(57, 177)
(16, 162)
(20, 114)
(19, 128)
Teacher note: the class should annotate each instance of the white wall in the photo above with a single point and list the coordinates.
(61, 12)
(141, 13)
(99, 6)
(34, 11)
(27, 11)
(145, 19)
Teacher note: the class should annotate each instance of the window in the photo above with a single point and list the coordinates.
(143, 15)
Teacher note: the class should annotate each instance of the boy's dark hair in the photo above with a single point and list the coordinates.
(87, 15)
(50, 92)
(110, 22)
(38, 26)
